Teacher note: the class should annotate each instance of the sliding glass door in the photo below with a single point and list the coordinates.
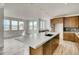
(33, 26)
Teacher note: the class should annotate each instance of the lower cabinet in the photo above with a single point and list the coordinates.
(69, 37)
(46, 49)
(50, 46)
(76, 39)
(38, 51)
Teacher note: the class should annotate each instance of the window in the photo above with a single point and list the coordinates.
(33, 26)
(30, 25)
(6, 24)
(14, 25)
(42, 25)
(21, 25)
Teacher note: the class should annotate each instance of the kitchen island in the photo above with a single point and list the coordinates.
(40, 44)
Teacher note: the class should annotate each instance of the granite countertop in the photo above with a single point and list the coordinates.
(41, 39)
(36, 40)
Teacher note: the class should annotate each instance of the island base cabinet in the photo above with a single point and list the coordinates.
(46, 49)
(38, 51)
(54, 46)
(50, 47)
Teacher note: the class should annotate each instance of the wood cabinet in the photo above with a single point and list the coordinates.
(46, 49)
(69, 37)
(71, 21)
(66, 22)
(76, 39)
(57, 20)
(38, 51)
(54, 45)
(50, 46)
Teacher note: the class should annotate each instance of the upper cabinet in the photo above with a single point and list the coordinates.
(57, 20)
(71, 21)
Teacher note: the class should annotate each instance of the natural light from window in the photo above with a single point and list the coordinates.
(6, 25)
(21, 25)
(14, 25)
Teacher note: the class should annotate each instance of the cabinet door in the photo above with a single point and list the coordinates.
(71, 21)
(50, 46)
(46, 48)
(74, 21)
(76, 39)
(69, 37)
(53, 21)
(54, 45)
(57, 20)
(38, 51)
(66, 22)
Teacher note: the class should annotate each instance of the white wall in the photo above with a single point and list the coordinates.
(1, 30)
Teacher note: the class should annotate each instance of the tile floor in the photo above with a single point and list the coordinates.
(13, 47)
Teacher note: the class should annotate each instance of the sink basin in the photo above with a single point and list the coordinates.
(48, 34)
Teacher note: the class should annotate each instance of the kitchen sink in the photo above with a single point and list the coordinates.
(48, 34)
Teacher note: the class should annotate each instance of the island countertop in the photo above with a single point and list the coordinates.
(36, 40)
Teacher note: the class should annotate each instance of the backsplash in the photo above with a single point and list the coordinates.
(72, 29)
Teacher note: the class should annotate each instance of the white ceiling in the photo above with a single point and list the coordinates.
(40, 10)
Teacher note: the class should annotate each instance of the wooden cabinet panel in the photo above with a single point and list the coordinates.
(57, 20)
(38, 51)
(54, 45)
(69, 37)
(71, 21)
(78, 21)
(66, 22)
(74, 21)
(50, 46)
(76, 39)
(46, 48)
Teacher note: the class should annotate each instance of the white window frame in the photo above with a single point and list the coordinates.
(10, 25)
(14, 25)
(7, 25)
(19, 25)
